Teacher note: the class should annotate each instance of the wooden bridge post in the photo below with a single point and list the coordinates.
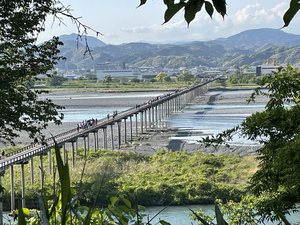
(73, 157)
(130, 119)
(156, 119)
(23, 185)
(136, 125)
(162, 112)
(31, 171)
(119, 134)
(42, 170)
(104, 138)
(141, 121)
(145, 119)
(153, 122)
(1, 206)
(84, 146)
(149, 117)
(95, 140)
(112, 136)
(125, 131)
(12, 191)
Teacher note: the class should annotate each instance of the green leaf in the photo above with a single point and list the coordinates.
(191, 9)
(220, 6)
(219, 216)
(172, 10)
(209, 8)
(64, 176)
(21, 216)
(113, 200)
(142, 3)
(291, 12)
(199, 218)
(164, 222)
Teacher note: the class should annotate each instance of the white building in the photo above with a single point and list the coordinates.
(116, 70)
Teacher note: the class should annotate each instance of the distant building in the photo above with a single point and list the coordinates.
(251, 70)
(116, 70)
(267, 68)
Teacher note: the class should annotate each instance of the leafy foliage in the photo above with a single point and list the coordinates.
(277, 129)
(21, 61)
(192, 7)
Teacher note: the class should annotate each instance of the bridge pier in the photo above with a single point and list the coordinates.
(95, 140)
(31, 171)
(23, 185)
(73, 157)
(149, 117)
(145, 119)
(141, 121)
(112, 136)
(136, 124)
(104, 137)
(119, 134)
(42, 170)
(130, 119)
(12, 191)
(125, 131)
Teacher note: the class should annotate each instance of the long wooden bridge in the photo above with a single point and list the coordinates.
(140, 118)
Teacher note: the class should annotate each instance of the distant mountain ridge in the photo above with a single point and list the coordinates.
(250, 47)
(260, 37)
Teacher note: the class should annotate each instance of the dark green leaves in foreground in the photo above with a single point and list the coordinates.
(191, 7)
(291, 12)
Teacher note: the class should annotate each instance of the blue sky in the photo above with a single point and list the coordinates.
(120, 21)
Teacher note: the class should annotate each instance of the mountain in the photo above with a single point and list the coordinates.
(250, 47)
(257, 37)
(72, 40)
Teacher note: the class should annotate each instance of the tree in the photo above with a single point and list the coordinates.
(192, 7)
(55, 80)
(167, 79)
(277, 128)
(159, 77)
(107, 79)
(185, 77)
(21, 61)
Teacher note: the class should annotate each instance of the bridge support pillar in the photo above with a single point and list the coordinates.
(141, 121)
(125, 131)
(73, 157)
(31, 171)
(112, 136)
(130, 119)
(153, 122)
(119, 134)
(84, 146)
(42, 171)
(23, 185)
(104, 137)
(136, 125)
(146, 120)
(95, 140)
(12, 191)
(149, 118)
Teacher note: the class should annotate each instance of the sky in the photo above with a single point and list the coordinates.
(120, 21)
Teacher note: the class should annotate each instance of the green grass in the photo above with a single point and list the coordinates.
(163, 178)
